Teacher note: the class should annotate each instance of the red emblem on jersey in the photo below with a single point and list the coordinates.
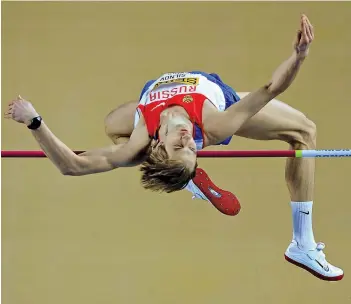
(191, 103)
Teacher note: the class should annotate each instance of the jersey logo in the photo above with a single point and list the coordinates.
(160, 104)
(188, 99)
(188, 81)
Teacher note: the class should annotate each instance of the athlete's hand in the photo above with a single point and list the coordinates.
(305, 36)
(21, 110)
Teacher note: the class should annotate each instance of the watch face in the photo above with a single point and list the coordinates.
(35, 124)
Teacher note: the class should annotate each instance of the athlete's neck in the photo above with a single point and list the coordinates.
(171, 120)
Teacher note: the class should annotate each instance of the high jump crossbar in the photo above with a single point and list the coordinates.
(214, 154)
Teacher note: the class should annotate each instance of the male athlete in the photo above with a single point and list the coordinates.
(180, 113)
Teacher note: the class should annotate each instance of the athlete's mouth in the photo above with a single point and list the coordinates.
(184, 131)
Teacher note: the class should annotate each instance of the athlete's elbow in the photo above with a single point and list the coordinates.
(72, 170)
(69, 172)
(275, 89)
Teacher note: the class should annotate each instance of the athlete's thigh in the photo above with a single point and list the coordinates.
(276, 120)
(120, 121)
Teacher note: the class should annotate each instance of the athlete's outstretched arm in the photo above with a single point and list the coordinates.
(225, 124)
(101, 160)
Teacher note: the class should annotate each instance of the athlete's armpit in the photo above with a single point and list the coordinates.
(128, 154)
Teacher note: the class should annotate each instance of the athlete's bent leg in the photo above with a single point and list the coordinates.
(119, 125)
(279, 121)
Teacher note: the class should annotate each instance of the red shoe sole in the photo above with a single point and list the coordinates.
(316, 274)
(225, 201)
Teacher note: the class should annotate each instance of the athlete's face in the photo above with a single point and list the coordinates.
(180, 145)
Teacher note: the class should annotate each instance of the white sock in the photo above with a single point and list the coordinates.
(302, 224)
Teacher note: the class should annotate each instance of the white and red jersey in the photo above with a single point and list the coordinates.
(192, 103)
(187, 89)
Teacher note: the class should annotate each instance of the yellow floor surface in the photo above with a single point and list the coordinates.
(102, 239)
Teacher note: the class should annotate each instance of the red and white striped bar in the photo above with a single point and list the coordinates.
(217, 154)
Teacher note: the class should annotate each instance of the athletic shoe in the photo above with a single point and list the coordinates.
(313, 261)
(202, 187)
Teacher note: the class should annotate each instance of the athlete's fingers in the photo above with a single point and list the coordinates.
(299, 35)
(302, 22)
(308, 33)
(8, 115)
(13, 103)
(308, 21)
(310, 27)
(308, 30)
(304, 33)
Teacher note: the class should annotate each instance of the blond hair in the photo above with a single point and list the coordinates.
(159, 173)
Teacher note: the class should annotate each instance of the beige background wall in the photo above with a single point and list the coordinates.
(103, 239)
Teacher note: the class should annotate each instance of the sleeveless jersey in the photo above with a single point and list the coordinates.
(186, 89)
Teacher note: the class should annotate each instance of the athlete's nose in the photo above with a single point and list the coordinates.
(185, 139)
(186, 136)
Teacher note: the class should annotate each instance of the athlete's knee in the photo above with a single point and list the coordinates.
(109, 122)
(119, 123)
(305, 137)
(111, 130)
(109, 127)
(309, 133)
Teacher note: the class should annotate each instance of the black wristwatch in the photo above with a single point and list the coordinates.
(35, 123)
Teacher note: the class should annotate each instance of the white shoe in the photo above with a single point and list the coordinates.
(313, 261)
